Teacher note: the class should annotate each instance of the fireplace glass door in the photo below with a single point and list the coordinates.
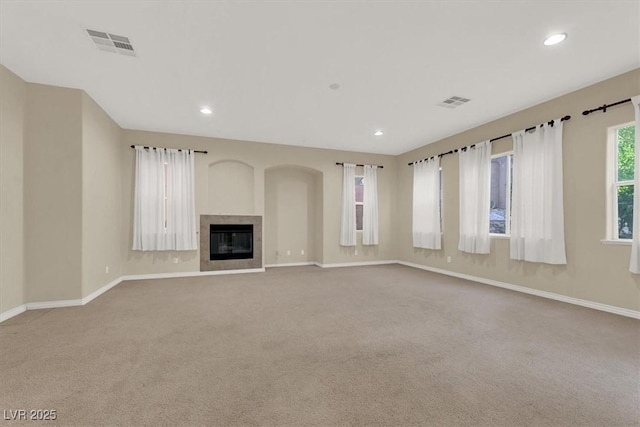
(231, 241)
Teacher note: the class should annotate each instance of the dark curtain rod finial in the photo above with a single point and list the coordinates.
(605, 106)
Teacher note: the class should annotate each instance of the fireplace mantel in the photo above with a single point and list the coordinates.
(206, 264)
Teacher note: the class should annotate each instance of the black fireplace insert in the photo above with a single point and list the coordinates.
(231, 241)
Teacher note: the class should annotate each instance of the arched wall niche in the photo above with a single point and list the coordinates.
(293, 215)
(231, 188)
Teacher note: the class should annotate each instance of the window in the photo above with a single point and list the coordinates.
(165, 192)
(500, 204)
(359, 201)
(164, 215)
(621, 157)
(440, 178)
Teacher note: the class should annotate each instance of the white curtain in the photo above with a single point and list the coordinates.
(537, 214)
(348, 224)
(475, 194)
(634, 266)
(427, 232)
(160, 224)
(370, 208)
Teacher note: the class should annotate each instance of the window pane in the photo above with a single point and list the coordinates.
(359, 189)
(358, 217)
(440, 198)
(626, 152)
(625, 212)
(498, 214)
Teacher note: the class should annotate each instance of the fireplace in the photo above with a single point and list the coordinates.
(231, 241)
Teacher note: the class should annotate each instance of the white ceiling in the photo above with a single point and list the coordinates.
(265, 67)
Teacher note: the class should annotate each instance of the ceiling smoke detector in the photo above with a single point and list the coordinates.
(111, 42)
(453, 102)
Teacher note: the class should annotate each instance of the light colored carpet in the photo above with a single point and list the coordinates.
(383, 345)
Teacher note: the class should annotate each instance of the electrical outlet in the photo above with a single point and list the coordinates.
(176, 260)
(448, 259)
(288, 252)
(356, 252)
(301, 251)
(106, 270)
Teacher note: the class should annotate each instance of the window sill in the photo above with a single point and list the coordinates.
(499, 236)
(616, 242)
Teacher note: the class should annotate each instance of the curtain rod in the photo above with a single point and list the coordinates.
(342, 164)
(550, 122)
(605, 106)
(159, 148)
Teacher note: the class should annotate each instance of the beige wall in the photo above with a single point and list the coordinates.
(101, 197)
(53, 193)
(12, 110)
(594, 271)
(76, 207)
(58, 246)
(260, 157)
(290, 216)
(319, 220)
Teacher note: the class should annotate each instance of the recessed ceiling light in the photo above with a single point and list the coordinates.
(334, 86)
(206, 110)
(378, 133)
(554, 39)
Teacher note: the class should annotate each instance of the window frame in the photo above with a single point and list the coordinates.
(613, 184)
(356, 203)
(165, 193)
(507, 227)
(441, 201)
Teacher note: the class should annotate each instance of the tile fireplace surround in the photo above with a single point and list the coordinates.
(230, 264)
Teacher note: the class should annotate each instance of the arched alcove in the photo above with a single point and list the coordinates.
(293, 215)
(231, 188)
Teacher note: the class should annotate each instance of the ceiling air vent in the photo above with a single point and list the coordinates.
(453, 102)
(111, 42)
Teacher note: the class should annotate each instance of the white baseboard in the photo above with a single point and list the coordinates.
(356, 264)
(334, 265)
(13, 312)
(57, 304)
(101, 291)
(53, 304)
(78, 302)
(190, 274)
(73, 302)
(544, 294)
(291, 264)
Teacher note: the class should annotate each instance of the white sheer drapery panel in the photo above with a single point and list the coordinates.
(348, 223)
(427, 232)
(634, 265)
(370, 208)
(150, 233)
(475, 194)
(148, 216)
(537, 213)
(181, 217)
